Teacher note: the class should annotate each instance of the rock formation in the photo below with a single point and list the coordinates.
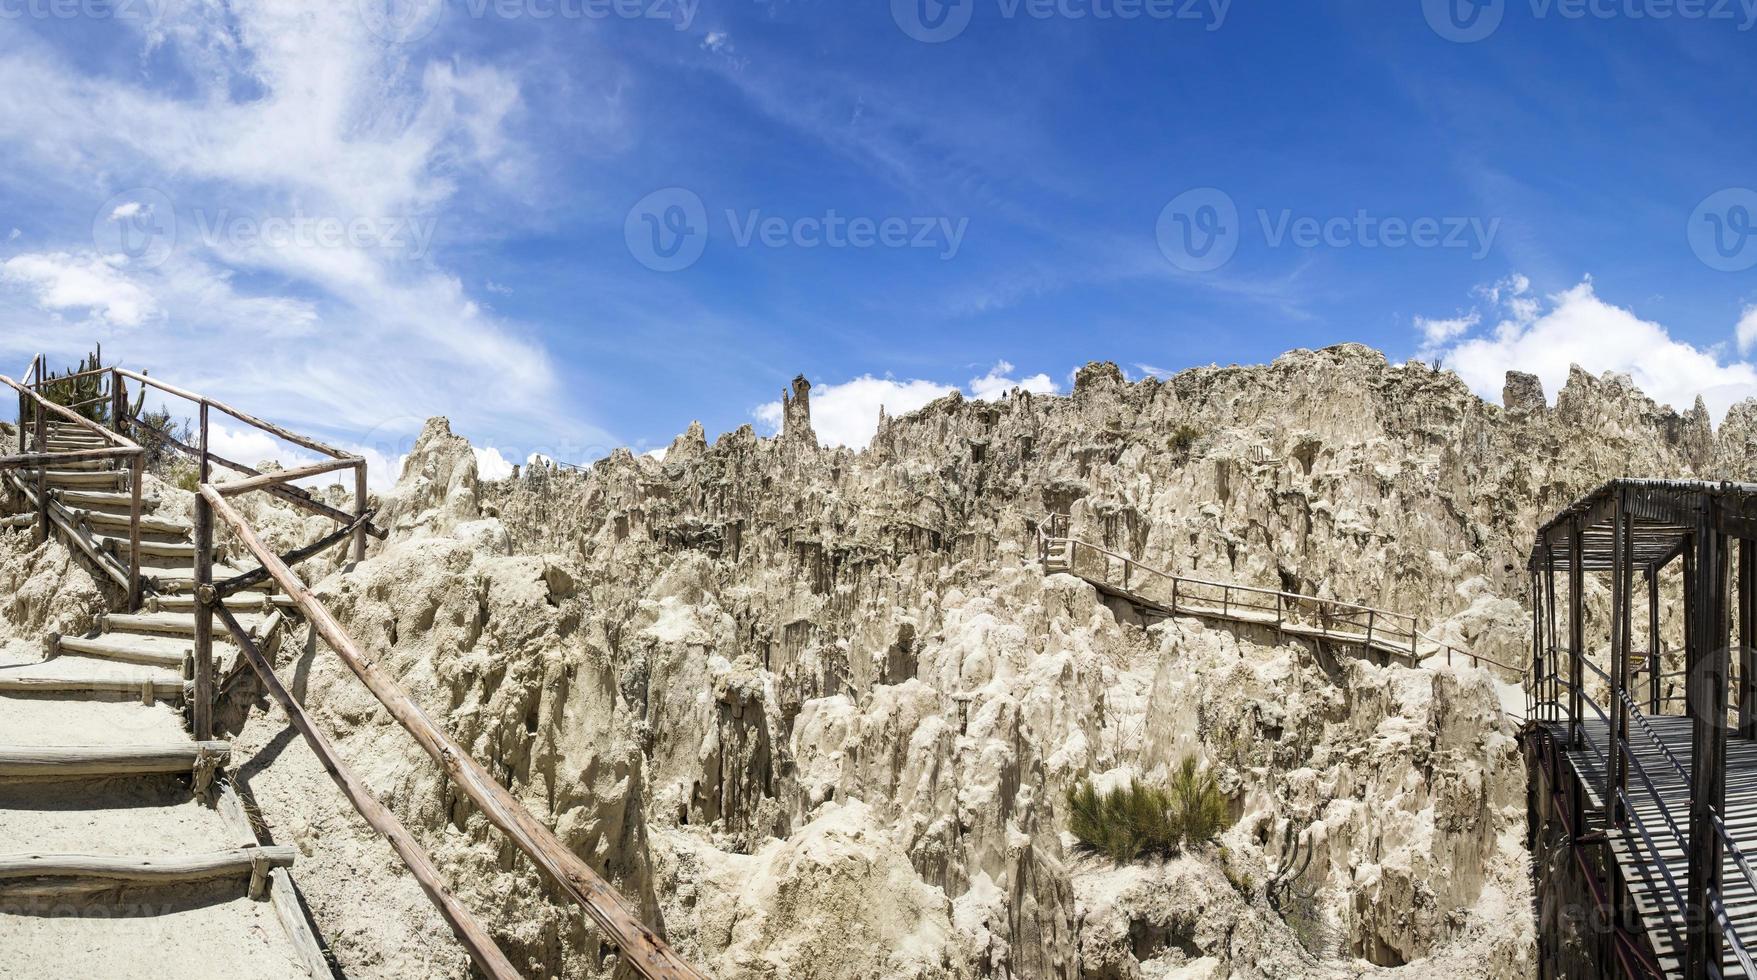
(816, 710)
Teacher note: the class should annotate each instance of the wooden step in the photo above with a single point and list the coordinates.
(85, 479)
(241, 604)
(168, 869)
(167, 623)
(82, 465)
(69, 761)
(165, 686)
(100, 500)
(150, 651)
(157, 549)
(148, 525)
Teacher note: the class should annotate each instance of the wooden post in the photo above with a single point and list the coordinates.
(1653, 645)
(1552, 632)
(204, 618)
(474, 937)
(1706, 693)
(1747, 643)
(1576, 640)
(642, 949)
(136, 476)
(1615, 772)
(42, 475)
(118, 405)
(205, 464)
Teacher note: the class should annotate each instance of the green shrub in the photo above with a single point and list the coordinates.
(1183, 439)
(1199, 802)
(1141, 819)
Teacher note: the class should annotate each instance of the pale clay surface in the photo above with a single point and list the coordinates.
(815, 711)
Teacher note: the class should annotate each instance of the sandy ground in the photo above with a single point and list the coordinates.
(196, 932)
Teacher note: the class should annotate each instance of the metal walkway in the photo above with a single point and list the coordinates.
(1654, 863)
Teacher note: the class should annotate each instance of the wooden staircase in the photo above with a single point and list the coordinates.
(114, 819)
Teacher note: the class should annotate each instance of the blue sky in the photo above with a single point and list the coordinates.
(385, 209)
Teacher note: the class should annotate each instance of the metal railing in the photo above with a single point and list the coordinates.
(1331, 620)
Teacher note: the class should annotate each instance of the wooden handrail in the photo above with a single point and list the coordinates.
(643, 949)
(305, 442)
(1406, 628)
(40, 461)
(470, 933)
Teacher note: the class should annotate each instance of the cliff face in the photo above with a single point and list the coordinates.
(816, 710)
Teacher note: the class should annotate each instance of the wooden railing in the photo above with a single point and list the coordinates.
(1331, 620)
(205, 458)
(33, 414)
(643, 949)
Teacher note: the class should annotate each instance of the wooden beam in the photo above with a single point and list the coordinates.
(297, 496)
(1706, 657)
(248, 419)
(239, 583)
(70, 416)
(49, 459)
(94, 760)
(203, 707)
(141, 870)
(289, 476)
(642, 948)
(1747, 697)
(474, 937)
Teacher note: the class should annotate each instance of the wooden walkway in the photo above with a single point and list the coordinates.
(1390, 635)
(1645, 868)
(111, 809)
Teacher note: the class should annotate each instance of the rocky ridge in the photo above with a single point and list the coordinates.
(815, 710)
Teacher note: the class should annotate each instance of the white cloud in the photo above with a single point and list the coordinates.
(847, 414)
(1437, 332)
(338, 125)
(60, 281)
(1546, 336)
(717, 41)
(490, 464)
(995, 384)
(1747, 330)
(658, 454)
